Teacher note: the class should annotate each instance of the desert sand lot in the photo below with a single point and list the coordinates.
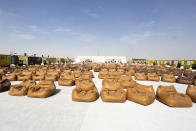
(60, 113)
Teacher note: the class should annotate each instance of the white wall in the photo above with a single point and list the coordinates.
(100, 59)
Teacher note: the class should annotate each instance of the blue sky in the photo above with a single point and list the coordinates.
(153, 29)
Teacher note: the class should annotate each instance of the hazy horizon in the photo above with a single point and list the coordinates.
(152, 29)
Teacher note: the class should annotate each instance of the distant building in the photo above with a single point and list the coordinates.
(101, 59)
(140, 61)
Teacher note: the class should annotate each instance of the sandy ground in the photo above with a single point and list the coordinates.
(60, 113)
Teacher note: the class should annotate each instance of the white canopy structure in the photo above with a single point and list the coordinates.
(101, 59)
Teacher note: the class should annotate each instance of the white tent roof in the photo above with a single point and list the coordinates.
(101, 58)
